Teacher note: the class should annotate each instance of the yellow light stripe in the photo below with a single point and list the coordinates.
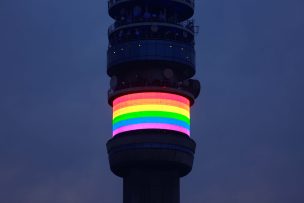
(138, 108)
(151, 102)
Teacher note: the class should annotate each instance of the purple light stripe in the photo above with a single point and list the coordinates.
(151, 126)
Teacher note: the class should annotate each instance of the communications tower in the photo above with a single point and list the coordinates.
(151, 60)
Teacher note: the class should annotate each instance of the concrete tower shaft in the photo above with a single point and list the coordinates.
(151, 61)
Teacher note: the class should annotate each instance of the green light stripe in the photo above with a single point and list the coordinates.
(152, 114)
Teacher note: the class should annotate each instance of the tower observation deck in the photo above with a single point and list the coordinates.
(151, 62)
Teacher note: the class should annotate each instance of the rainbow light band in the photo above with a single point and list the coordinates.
(151, 110)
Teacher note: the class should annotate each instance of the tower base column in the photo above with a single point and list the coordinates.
(151, 186)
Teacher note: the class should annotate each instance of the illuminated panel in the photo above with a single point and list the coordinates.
(151, 110)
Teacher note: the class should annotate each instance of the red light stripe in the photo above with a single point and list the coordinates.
(151, 95)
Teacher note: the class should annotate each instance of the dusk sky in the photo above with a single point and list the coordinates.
(248, 121)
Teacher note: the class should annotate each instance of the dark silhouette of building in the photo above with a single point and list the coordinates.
(151, 60)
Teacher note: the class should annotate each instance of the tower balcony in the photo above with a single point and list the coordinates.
(122, 31)
(183, 9)
(152, 149)
(143, 53)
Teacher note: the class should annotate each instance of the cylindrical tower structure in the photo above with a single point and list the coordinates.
(151, 61)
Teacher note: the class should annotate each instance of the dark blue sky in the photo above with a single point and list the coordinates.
(248, 121)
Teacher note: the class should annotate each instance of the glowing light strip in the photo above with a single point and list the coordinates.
(151, 120)
(151, 101)
(151, 126)
(151, 110)
(151, 95)
(165, 108)
(151, 114)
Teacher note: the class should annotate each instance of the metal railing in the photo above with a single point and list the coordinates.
(186, 25)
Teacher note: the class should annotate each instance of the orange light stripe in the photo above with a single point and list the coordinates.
(151, 101)
(151, 95)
